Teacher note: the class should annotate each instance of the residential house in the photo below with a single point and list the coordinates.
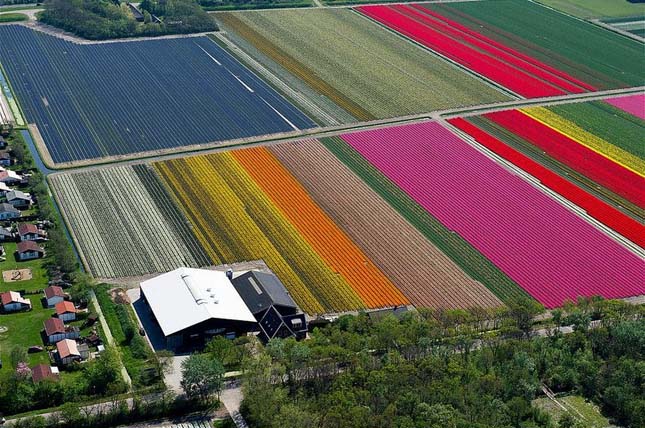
(10, 177)
(6, 235)
(30, 232)
(29, 250)
(54, 295)
(4, 189)
(67, 352)
(65, 311)
(44, 372)
(56, 330)
(19, 199)
(5, 159)
(13, 302)
(8, 211)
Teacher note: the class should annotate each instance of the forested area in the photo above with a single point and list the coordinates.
(105, 19)
(449, 370)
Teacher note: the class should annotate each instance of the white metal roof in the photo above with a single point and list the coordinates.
(185, 297)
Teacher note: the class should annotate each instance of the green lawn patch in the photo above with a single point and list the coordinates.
(582, 410)
(23, 329)
(596, 8)
(13, 17)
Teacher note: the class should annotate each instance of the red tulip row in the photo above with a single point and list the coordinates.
(514, 70)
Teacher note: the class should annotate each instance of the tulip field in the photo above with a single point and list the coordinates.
(591, 153)
(505, 42)
(114, 99)
(125, 223)
(363, 68)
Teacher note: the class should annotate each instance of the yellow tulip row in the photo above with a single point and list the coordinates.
(587, 139)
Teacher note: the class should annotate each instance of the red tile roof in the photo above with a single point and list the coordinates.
(67, 348)
(41, 372)
(9, 297)
(54, 326)
(24, 246)
(63, 307)
(53, 291)
(25, 228)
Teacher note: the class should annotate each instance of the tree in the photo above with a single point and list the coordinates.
(18, 355)
(522, 311)
(201, 376)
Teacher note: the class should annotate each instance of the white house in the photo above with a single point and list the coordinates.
(54, 295)
(19, 199)
(4, 188)
(9, 177)
(55, 331)
(29, 250)
(65, 311)
(8, 211)
(13, 302)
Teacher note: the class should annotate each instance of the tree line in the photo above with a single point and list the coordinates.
(441, 370)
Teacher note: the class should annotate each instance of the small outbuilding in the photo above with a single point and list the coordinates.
(29, 250)
(54, 295)
(12, 301)
(192, 305)
(44, 372)
(8, 211)
(56, 330)
(65, 311)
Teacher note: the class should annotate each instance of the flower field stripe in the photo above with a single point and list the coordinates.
(487, 65)
(296, 67)
(119, 225)
(600, 210)
(516, 59)
(334, 246)
(565, 78)
(598, 145)
(239, 222)
(546, 248)
(597, 167)
(468, 258)
(227, 233)
(426, 275)
(615, 126)
(634, 104)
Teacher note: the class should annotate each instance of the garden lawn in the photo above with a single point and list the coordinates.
(39, 280)
(24, 330)
(585, 412)
(13, 17)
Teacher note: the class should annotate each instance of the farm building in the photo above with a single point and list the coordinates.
(54, 295)
(65, 311)
(12, 302)
(68, 351)
(8, 211)
(271, 305)
(9, 177)
(19, 199)
(55, 331)
(29, 250)
(191, 305)
(44, 372)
